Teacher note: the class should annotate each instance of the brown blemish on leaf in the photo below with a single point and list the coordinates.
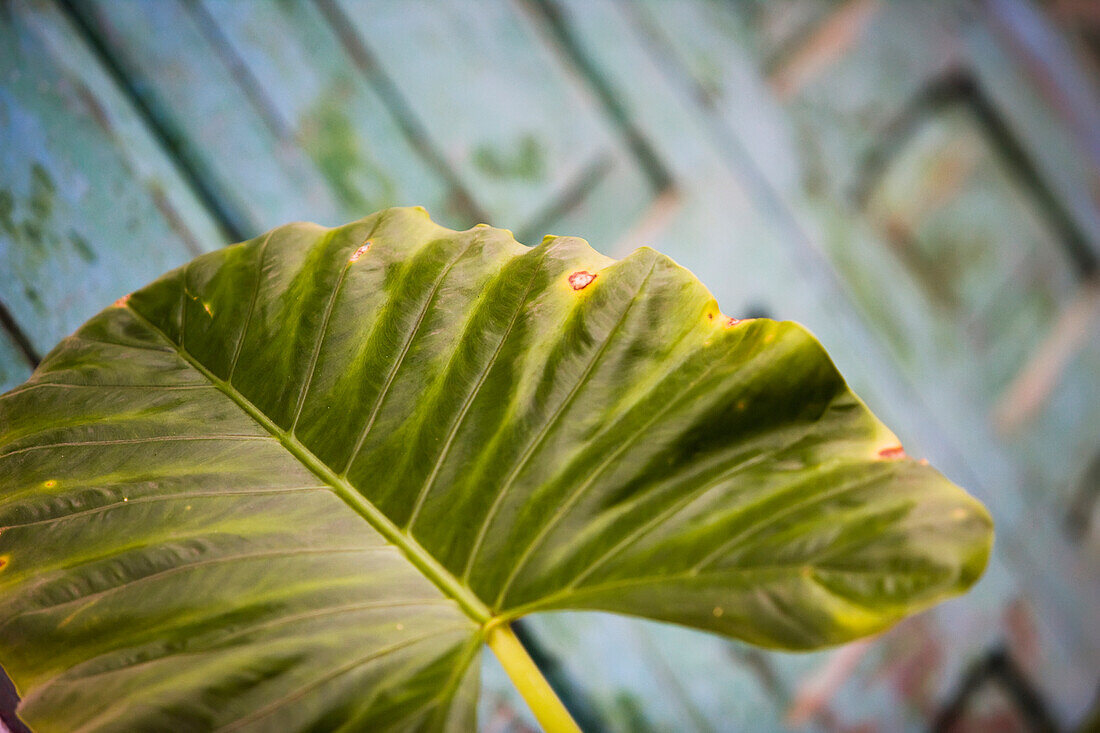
(581, 279)
(121, 302)
(731, 321)
(718, 611)
(363, 249)
(959, 514)
(49, 483)
(4, 561)
(206, 307)
(892, 453)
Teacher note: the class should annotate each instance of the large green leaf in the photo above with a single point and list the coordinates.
(288, 485)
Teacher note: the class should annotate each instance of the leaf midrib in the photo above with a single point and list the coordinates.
(414, 552)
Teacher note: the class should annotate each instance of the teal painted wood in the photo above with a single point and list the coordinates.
(14, 368)
(258, 179)
(256, 170)
(1058, 134)
(993, 274)
(83, 190)
(715, 52)
(315, 95)
(512, 121)
(843, 102)
(1062, 438)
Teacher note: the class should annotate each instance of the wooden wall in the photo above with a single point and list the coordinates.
(915, 181)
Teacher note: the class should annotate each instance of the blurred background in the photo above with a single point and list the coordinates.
(918, 182)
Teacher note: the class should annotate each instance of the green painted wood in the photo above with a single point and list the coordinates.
(83, 189)
(506, 112)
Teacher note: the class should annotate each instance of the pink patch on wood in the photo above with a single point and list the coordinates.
(360, 252)
(893, 453)
(581, 279)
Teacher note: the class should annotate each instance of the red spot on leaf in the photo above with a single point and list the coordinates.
(893, 453)
(363, 248)
(731, 322)
(581, 279)
(121, 302)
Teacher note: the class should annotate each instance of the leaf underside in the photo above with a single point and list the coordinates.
(288, 483)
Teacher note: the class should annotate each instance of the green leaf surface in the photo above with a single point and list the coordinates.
(289, 484)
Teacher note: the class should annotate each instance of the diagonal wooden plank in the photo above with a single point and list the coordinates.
(84, 189)
(288, 60)
(502, 107)
(210, 85)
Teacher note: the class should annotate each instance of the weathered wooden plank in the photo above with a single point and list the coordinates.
(14, 367)
(259, 179)
(848, 104)
(1046, 100)
(516, 126)
(835, 78)
(89, 207)
(994, 274)
(1062, 438)
(295, 67)
(716, 54)
(225, 127)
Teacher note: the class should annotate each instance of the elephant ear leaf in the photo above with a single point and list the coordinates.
(294, 482)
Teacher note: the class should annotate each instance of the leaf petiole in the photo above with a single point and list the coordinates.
(527, 678)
